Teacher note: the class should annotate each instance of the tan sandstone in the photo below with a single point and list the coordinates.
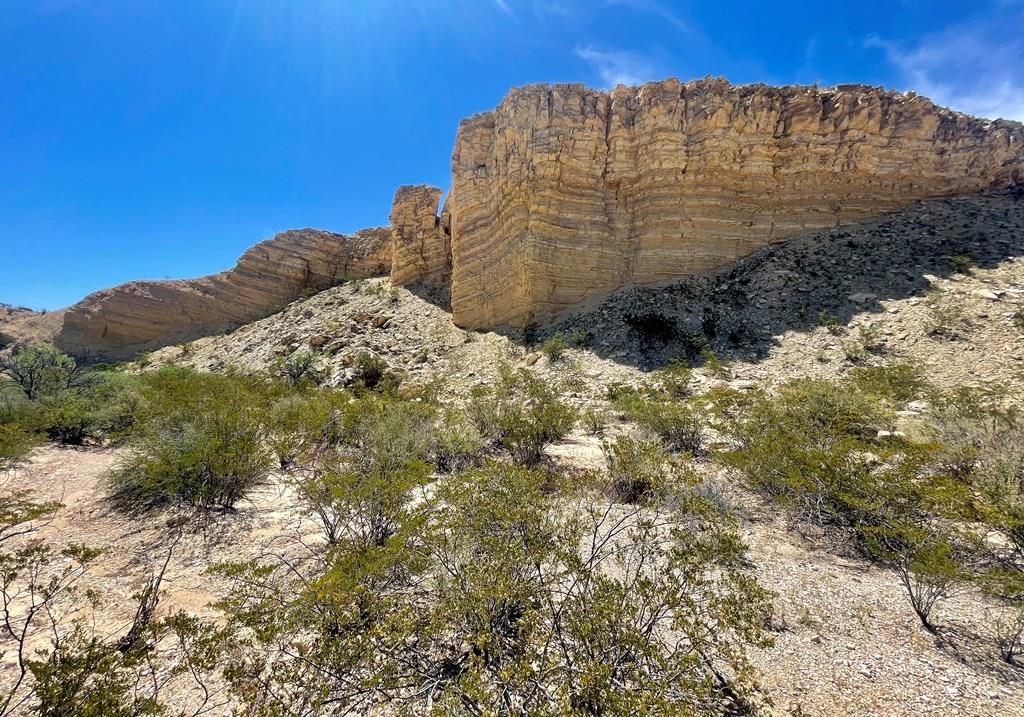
(564, 193)
(141, 315)
(421, 251)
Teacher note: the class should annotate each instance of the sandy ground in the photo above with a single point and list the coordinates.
(846, 641)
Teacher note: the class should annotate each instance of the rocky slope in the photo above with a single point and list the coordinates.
(141, 315)
(869, 293)
(20, 325)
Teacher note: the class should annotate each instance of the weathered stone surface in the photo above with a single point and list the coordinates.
(421, 242)
(564, 193)
(140, 315)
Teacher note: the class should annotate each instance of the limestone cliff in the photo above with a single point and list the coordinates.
(563, 193)
(140, 315)
(421, 250)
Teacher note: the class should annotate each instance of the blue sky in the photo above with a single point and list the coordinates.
(160, 138)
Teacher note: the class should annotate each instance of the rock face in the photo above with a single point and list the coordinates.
(141, 315)
(564, 193)
(421, 247)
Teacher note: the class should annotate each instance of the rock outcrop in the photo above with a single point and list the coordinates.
(120, 322)
(564, 193)
(421, 248)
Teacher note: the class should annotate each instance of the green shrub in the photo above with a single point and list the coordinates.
(831, 323)
(554, 347)
(998, 476)
(945, 318)
(15, 444)
(300, 368)
(638, 469)
(200, 440)
(812, 448)
(962, 419)
(297, 423)
(714, 364)
(87, 677)
(680, 424)
(898, 382)
(104, 408)
(675, 378)
(581, 338)
(925, 561)
(456, 444)
(595, 420)
(961, 264)
(522, 414)
(457, 608)
(362, 491)
(372, 373)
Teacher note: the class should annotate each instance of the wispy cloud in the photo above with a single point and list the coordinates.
(505, 8)
(974, 68)
(617, 67)
(656, 8)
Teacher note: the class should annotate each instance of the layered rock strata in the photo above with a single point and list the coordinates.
(563, 193)
(141, 315)
(421, 249)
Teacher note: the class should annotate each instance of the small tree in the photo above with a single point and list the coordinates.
(925, 561)
(39, 370)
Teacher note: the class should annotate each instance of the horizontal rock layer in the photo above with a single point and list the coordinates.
(140, 315)
(421, 250)
(564, 193)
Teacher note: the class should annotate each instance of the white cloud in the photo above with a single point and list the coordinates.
(617, 67)
(976, 68)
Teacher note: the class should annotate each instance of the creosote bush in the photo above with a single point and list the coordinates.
(373, 374)
(297, 423)
(640, 470)
(914, 507)
(300, 368)
(554, 347)
(680, 424)
(456, 443)
(897, 382)
(200, 440)
(491, 594)
(522, 414)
